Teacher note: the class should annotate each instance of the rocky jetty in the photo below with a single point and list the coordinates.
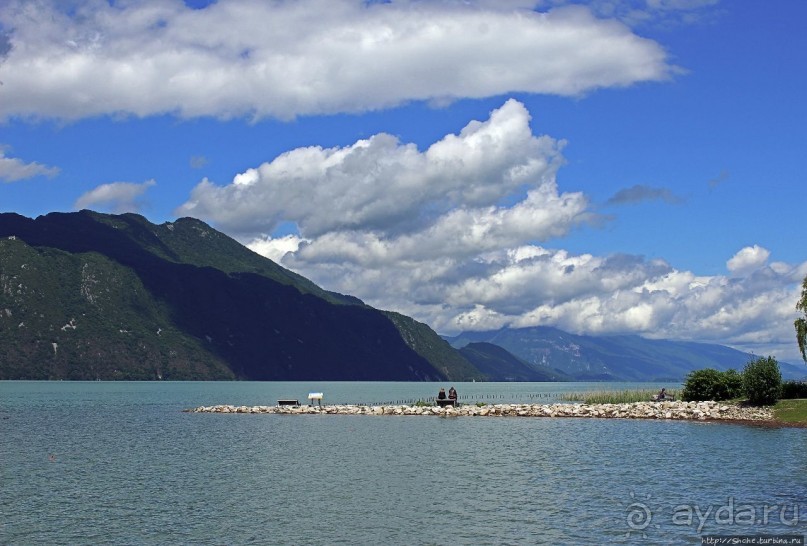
(700, 411)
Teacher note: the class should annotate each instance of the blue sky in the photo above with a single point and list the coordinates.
(606, 167)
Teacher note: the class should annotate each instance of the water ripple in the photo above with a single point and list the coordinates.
(125, 466)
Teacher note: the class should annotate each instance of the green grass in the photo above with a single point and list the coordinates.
(616, 397)
(791, 411)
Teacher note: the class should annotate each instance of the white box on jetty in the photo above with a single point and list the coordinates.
(315, 396)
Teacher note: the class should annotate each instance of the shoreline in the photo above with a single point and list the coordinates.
(666, 410)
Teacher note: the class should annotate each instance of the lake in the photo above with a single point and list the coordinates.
(120, 463)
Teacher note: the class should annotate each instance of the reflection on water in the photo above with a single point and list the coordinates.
(82, 463)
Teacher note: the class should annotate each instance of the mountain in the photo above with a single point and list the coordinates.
(613, 358)
(500, 365)
(93, 296)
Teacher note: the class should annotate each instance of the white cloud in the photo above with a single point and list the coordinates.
(449, 235)
(748, 259)
(275, 249)
(117, 197)
(285, 59)
(533, 285)
(447, 194)
(13, 169)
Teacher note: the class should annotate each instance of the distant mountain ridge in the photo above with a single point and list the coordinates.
(498, 364)
(93, 296)
(613, 358)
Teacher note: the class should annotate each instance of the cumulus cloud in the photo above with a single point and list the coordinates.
(285, 59)
(639, 193)
(533, 285)
(748, 259)
(13, 169)
(450, 193)
(117, 197)
(456, 236)
(276, 248)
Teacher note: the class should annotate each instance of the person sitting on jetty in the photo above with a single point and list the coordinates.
(452, 394)
(662, 394)
(442, 394)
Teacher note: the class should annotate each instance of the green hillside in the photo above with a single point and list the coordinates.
(94, 296)
(66, 316)
(428, 344)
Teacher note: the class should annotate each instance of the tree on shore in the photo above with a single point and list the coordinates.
(762, 381)
(801, 322)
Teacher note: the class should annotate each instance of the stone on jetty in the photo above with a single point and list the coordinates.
(670, 410)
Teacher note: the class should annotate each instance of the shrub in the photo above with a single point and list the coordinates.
(733, 384)
(711, 384)
(762, 381)
(794, 389)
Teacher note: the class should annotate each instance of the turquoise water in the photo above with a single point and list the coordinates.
(120, 463)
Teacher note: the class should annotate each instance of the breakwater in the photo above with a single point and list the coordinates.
(701, 411)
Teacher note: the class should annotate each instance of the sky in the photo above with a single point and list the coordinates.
(603, 167)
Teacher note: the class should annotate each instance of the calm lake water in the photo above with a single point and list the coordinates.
(120, 463)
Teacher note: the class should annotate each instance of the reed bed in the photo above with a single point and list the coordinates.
(626, 396)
